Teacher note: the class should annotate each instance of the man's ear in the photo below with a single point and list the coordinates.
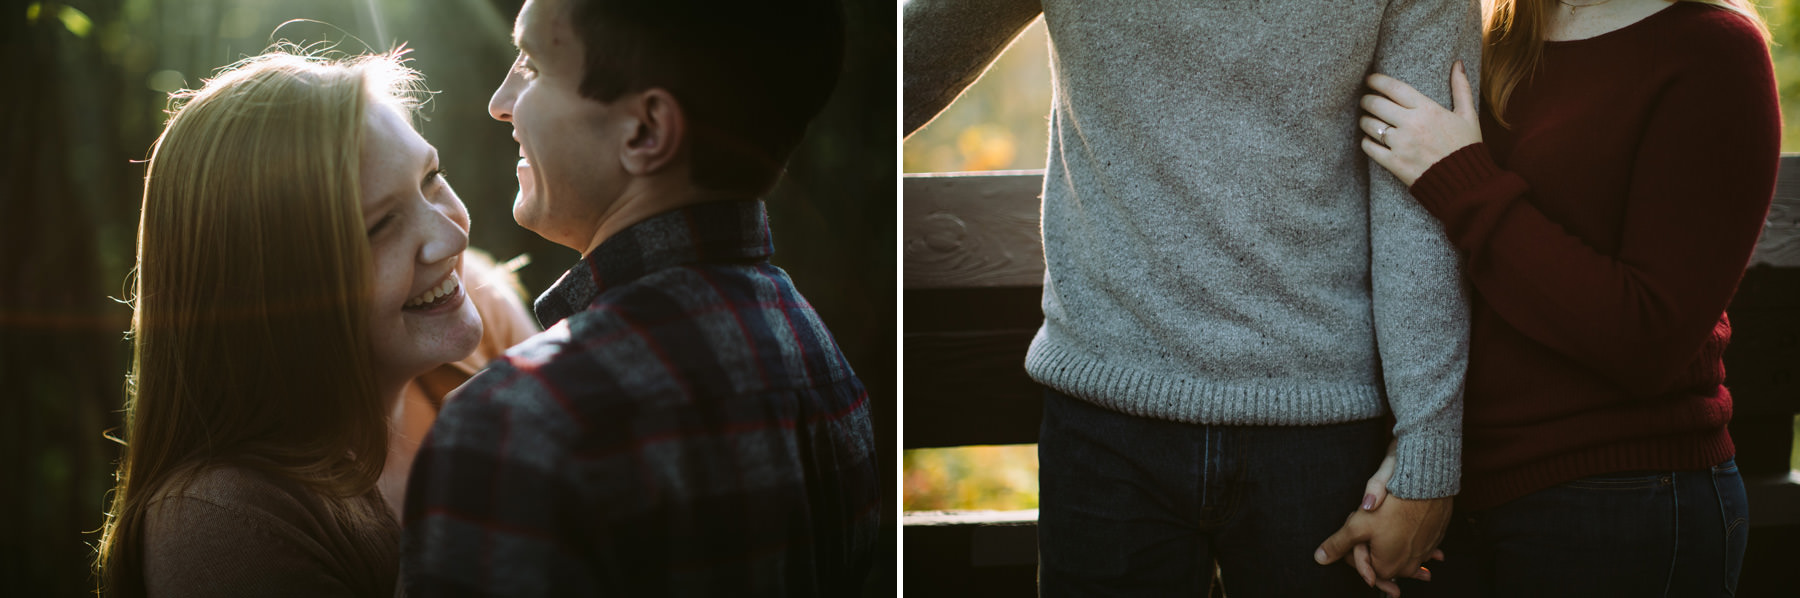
(659, 128)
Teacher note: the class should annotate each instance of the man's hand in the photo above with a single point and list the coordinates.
(1401, 535)
(1375, 493)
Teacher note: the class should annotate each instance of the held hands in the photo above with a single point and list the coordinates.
(1391, 542)
(1406, 132)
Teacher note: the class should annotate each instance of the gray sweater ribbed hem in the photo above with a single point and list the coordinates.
(1428, 466)
(1142, 393)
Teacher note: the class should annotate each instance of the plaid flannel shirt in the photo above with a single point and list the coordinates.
(685, 425)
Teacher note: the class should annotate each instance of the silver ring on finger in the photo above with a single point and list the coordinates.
(1382, 131)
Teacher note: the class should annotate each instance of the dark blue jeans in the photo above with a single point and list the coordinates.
(1132, 506)
(1637, 533)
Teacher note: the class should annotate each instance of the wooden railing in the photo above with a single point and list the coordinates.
(974, 271)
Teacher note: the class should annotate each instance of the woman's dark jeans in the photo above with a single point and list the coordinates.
(1639, 533)
(1132, 506)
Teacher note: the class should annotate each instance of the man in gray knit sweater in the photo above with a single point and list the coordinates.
(1235, 298)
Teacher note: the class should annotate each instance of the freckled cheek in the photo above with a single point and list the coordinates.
(391, 279)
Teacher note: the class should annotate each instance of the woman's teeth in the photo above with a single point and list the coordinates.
(435, 293)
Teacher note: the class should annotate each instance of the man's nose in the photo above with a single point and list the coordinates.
(501, 105)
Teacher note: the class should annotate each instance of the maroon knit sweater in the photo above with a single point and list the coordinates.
(1605, 232)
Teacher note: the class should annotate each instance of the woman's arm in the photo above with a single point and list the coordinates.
(1702, 182)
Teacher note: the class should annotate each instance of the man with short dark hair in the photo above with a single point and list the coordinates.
(685, 424)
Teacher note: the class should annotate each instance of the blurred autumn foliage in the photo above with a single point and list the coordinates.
(1000, 123)
(972, 477)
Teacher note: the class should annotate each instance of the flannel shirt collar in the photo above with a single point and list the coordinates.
(720, 231)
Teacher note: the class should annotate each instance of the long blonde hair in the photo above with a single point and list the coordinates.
(249, 338)
(1513, 35)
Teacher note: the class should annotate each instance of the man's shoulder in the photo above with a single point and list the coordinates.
(707, 329)
(669, 339)
(525, 388)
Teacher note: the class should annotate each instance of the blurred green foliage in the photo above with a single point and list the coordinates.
(1784, 26)
(87, 84)
(1001, 123)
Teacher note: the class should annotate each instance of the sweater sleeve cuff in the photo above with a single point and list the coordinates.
(1455, 176)
(1426, 466)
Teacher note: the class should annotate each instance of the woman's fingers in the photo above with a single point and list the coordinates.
(1462, 99)
(1376, 151)
(1375, 490)
(1359, 558)
(1398, 91)
(1373, 127)
(1383, 108)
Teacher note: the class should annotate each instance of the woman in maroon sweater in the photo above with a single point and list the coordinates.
(1607, 199)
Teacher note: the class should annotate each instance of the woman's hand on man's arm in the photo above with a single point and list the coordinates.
(1406, 132)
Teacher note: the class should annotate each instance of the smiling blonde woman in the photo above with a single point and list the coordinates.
(299, 262)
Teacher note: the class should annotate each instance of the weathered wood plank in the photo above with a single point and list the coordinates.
(972, 230)
(981, 229)
(979, 377)
(1765, 444)
(972, 553)
(1019, 517)
(1780, 243)
(1768, 287)
(970, 388)
(971, 310)
(1761, 362)
(997, 538)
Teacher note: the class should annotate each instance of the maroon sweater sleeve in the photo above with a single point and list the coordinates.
(1701, 184)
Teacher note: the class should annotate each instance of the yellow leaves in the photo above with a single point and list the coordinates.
(971, 477)
(996, 124)
(986, 147)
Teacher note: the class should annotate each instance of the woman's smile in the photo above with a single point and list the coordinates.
(446, 294)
